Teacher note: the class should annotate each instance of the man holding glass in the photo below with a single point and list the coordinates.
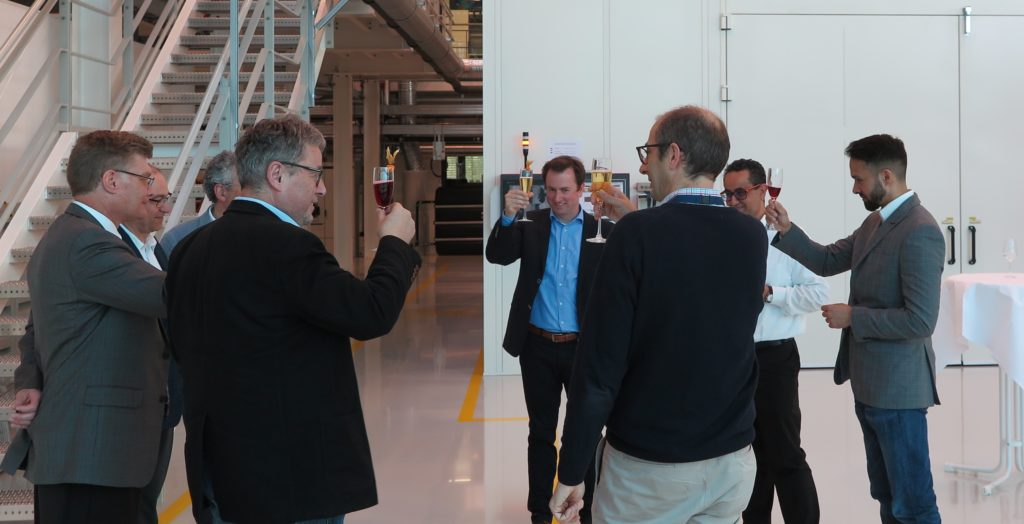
(556, 271)
(790, 292)
(666, 361)
(895, 259)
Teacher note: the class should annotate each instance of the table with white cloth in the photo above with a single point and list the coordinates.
(987, 309)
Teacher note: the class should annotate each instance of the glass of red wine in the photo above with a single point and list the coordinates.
(774, 186)
(384, 186)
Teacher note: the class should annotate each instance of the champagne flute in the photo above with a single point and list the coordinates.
(384, 186)
(774, 186)
(600, 178)
(526, 184)
(1010, 253)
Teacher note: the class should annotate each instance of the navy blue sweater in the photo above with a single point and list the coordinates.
(666, 356)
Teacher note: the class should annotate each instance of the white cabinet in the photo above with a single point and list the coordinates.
(802, 86)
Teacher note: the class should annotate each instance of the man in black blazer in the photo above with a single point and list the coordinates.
(556, 271)
(260, 316)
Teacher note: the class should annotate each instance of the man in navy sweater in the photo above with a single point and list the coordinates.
(666, 356)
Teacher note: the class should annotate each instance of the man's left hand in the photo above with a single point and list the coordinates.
(837, 315)
(566, 503)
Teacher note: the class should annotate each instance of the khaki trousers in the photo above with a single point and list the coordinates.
(635, 491)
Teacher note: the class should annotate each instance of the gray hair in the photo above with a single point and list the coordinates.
(700, 135)
(219, 170)
(281, 139)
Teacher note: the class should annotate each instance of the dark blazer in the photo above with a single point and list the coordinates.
(175, 392)
(260, 316)
(528, 243)
(99, 349)
(895, 277)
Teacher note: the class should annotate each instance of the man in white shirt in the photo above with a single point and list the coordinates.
(790, 291)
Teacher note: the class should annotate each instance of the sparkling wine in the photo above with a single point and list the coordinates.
(599, 180)
(774, 191)
(526, 183)
(384, 192)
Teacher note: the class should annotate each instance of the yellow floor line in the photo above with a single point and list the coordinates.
(427, 282)
(176, 508)
(466, 414)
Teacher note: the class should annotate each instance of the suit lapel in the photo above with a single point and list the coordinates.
(128, 240)
(161, 256)
(878, 229)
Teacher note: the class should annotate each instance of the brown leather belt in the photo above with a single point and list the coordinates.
(557, 338)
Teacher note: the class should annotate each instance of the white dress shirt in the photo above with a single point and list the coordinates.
(889, 208)
(147, 248)
(795, 293)
(105, 222)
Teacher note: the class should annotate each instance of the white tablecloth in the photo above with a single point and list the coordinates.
(986, 309)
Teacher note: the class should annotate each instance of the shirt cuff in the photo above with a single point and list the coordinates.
(507, 221)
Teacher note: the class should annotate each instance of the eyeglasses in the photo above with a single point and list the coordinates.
(158, 201)
(319, 172)
(641, 151)
(149, 180)
(740, 193)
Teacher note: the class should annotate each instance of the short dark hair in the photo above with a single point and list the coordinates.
(100, 151)
(700, 135)
(880, 152)
(219, 170)
(561, 163)
(756, 170)
(268, 140)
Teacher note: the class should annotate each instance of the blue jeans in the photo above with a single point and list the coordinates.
(899, 470)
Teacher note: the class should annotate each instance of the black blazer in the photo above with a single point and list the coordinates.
(261, 315)
(528, 243)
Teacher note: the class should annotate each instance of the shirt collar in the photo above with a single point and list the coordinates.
(105, 222)
(273, 209)
(149, 243)
(579, 217)
(699, 191)
(891, 207)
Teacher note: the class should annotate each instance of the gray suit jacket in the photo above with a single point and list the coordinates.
(101, 354)
(182, 230)
(896, 268)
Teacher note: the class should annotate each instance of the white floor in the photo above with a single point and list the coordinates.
(449, 448)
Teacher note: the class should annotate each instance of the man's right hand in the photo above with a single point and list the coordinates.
(776, 215)
(396, 221)
(616, 203)
(516, 200)
(26, 402)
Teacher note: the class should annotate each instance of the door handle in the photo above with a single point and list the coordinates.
(974, 245)
(952, 245)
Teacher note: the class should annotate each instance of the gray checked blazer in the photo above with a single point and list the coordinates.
(895, 272)
(101, 356)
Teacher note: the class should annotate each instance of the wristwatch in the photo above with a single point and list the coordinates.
(768, 298)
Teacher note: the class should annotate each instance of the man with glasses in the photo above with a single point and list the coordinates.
(93, 444)
(220, 183)
(895, 258)
(666, 360)
(790, 292)
(261, 316)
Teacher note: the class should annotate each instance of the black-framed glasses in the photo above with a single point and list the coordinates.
(740, 193)
(641, 151)
(149, 179)
(319, 172)
(159, 200)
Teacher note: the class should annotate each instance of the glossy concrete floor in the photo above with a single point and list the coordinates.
(450, 446)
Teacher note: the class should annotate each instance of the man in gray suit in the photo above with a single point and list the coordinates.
(221, 186)
(93, 441)
(895, 260)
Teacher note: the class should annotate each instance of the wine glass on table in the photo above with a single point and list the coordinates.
(1010, 253)
(774, 186)
(600, 178)
(526, 184)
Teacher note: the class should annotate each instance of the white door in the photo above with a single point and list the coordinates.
(802, 87)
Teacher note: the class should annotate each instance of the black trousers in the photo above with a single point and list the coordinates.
(546, 368)
(151, 491)
(781, 462)
(86, 504)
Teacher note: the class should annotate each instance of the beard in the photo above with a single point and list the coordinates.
(873, 200)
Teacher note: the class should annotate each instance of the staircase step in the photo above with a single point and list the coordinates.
(168, 137)
(206, 58)
(204, 77)
(222, 22)
(14, 289)
(9, 361)
(58, 193)
(12, 325)
(21, 254)
(16, 505)
(208, 6)
(218, 41)
(182, 119)
(6, 404)
(280, 97)
(41, 221)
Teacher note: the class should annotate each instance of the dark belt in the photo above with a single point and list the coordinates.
(557, 338)
(772, 343)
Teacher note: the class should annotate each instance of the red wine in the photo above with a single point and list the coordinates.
(774, 191)
(384, 191)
